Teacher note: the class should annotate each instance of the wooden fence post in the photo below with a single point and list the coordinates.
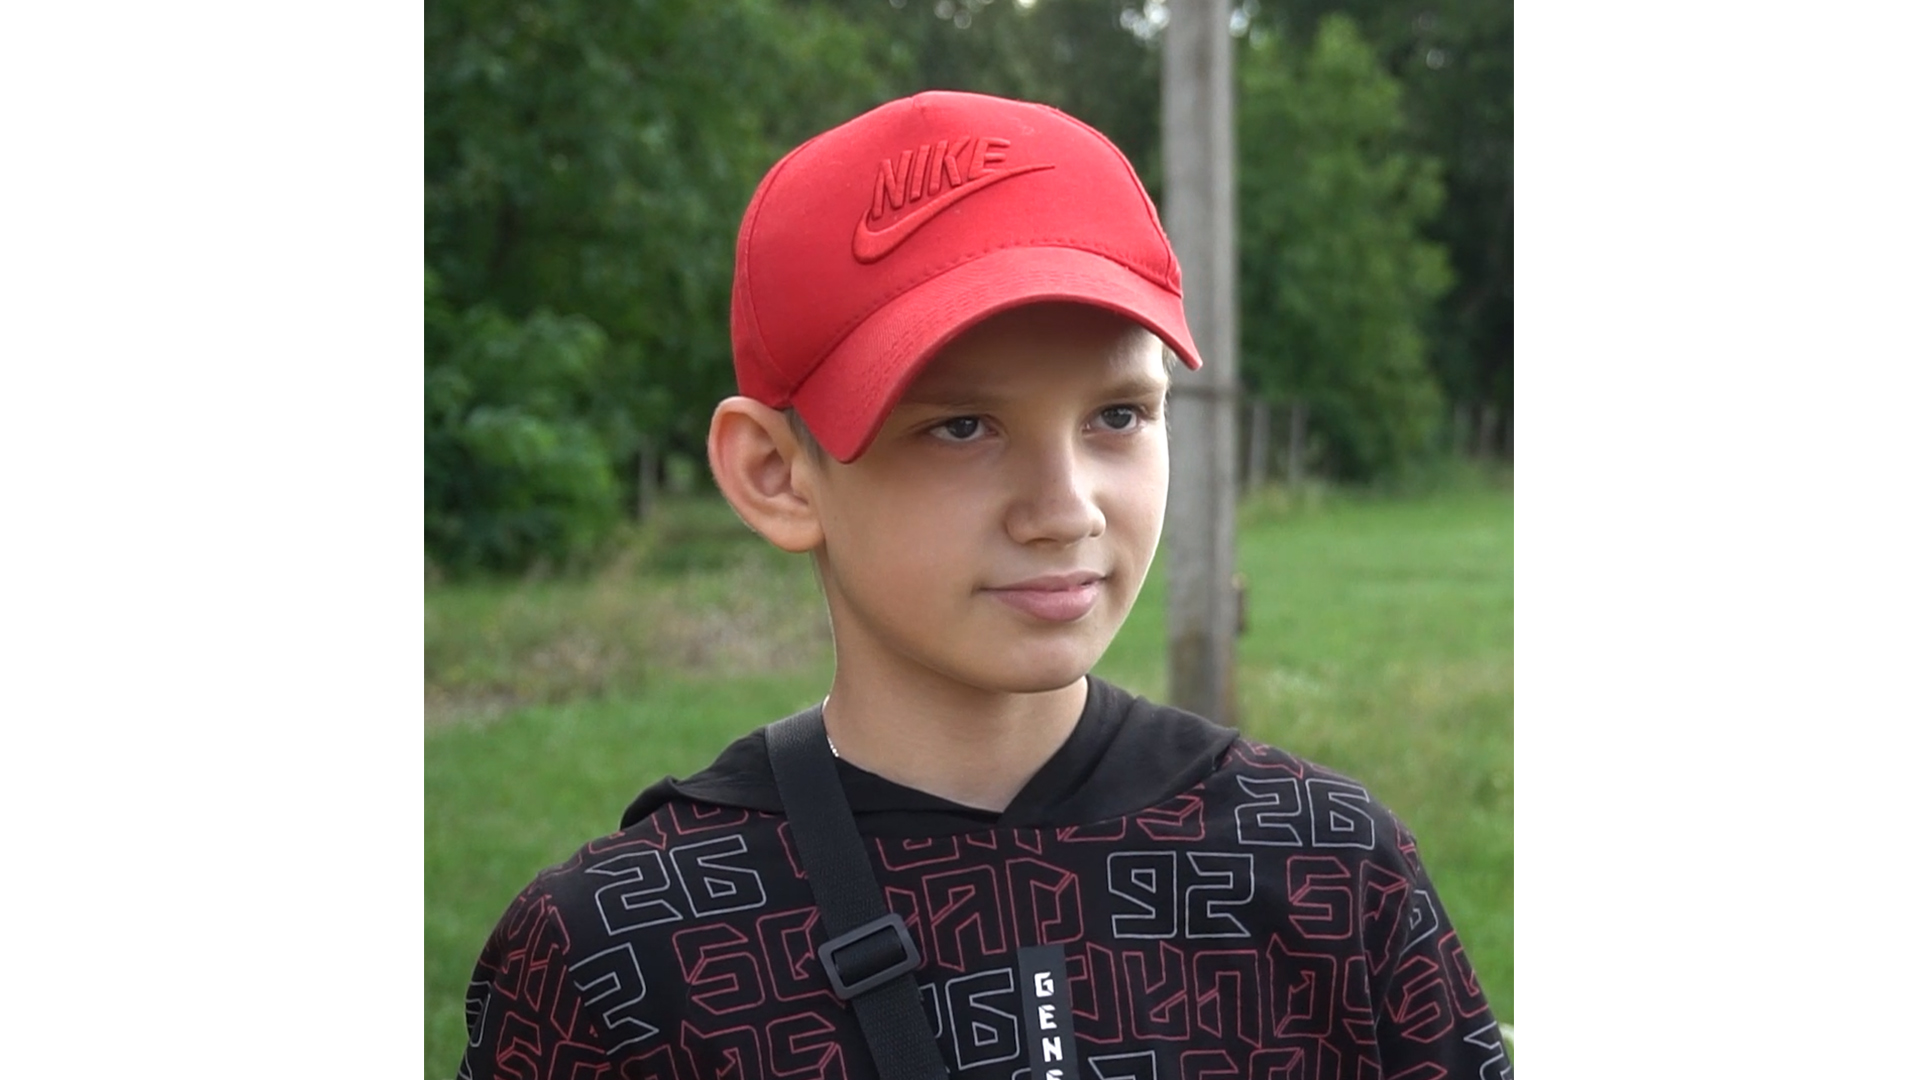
(1197, 123)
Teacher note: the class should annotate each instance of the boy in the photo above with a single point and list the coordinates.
(948, 323)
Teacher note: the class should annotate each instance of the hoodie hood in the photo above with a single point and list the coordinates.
(1125, 754)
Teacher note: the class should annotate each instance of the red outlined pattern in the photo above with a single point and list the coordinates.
(1273, 921)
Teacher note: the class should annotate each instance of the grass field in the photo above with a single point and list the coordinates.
(1379, 643)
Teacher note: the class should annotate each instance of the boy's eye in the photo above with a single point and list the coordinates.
(1120, 417)
(958, 429)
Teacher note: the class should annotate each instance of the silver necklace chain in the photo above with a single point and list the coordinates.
(823, 724)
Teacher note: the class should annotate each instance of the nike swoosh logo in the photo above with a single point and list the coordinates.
(872, 245)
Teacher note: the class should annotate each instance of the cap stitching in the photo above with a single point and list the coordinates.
(744, 271)
(1146, 200)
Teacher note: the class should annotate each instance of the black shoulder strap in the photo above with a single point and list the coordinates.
(869, 956)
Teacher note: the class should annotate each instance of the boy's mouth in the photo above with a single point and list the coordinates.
(1052, 597)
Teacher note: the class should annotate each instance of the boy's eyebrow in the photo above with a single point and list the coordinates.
(1138, 386)
(1132, 386)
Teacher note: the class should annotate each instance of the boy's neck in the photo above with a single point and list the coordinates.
(972, 747)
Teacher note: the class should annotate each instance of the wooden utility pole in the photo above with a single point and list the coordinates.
(1196, 95)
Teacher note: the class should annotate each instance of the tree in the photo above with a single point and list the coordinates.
(586, 169)
(1335, 277)
(1455, 59)
(514, 474)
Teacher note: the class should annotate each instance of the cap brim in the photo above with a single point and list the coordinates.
(847, 398)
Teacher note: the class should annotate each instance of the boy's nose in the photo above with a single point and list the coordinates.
(1056, 501)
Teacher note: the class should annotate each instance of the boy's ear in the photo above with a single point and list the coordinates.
(764, 472)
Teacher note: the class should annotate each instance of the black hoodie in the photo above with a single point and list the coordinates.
(1219, 904)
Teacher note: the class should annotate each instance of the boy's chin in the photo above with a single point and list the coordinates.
(1047, 683)
(1033, 674)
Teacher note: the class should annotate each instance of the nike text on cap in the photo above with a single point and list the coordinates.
(870, 247)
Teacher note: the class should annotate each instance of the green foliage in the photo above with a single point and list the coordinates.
(587, 165)
(1335, 276)
(593, 161)
(1457, 64)
(1455, 60)
(514, 474)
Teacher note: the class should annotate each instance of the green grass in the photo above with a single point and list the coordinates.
(1380, 643)
(696, 592)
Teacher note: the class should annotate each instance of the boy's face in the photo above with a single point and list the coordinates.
(998, 529)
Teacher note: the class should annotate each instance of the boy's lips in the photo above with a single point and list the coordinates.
(1052, 597)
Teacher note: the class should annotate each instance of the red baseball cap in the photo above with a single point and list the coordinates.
(872, 246)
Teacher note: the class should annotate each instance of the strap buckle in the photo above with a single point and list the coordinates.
(872, 961)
